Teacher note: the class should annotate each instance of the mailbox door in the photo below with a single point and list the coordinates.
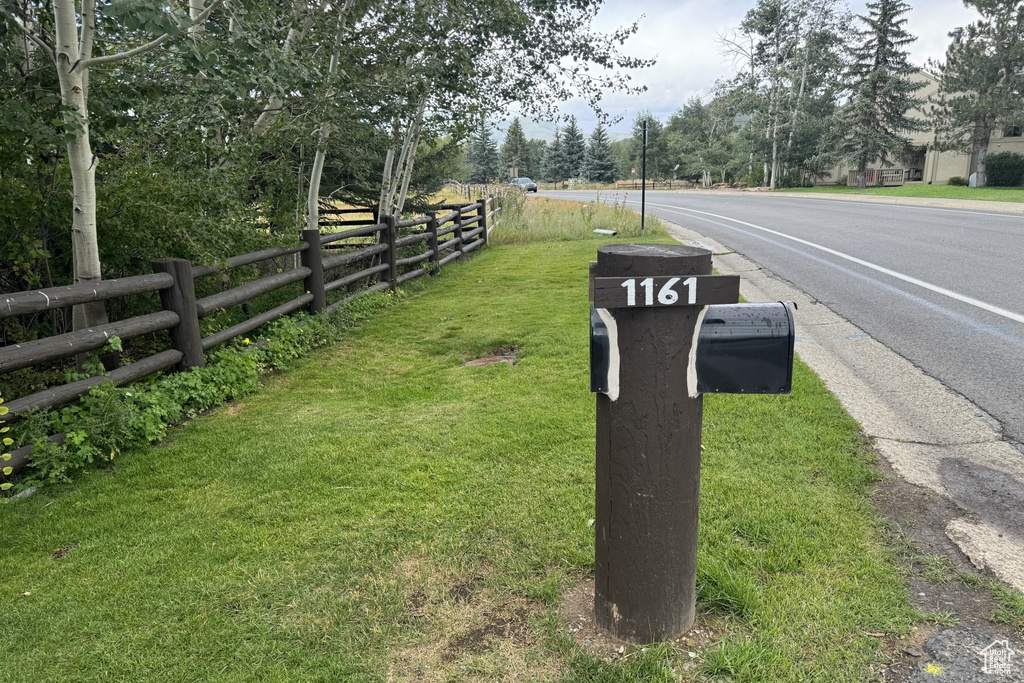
(746, 349)
(600, 353)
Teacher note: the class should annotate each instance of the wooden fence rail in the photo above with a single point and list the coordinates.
(429, 238)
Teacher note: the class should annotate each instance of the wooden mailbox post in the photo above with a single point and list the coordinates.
(649, 436)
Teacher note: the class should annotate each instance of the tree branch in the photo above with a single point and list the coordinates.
(29, 34)
(151, 45)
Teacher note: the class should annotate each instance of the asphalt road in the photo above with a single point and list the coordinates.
(944, 288)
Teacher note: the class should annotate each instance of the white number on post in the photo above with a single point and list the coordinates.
(691, 287)
(630, 286)
(668, 296)
(648, 286)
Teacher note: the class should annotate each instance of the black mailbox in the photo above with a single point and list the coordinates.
(746, 349)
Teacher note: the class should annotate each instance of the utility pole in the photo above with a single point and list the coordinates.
(643, 183)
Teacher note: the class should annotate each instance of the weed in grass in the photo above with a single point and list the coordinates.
(941, 618)
(934, 568)
(1011, 605)
(970, 579)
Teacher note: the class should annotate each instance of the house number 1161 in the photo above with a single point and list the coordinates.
(666, 295)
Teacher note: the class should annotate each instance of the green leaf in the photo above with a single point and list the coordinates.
(5, 486)
(8, 471)
(8, 441)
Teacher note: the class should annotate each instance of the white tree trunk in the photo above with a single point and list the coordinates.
(74, 95)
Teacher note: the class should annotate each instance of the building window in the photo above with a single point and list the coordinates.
(1012, 132)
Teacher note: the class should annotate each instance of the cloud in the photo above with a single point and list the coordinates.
(681, 35)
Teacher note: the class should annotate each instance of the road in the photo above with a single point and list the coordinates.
(943, 288)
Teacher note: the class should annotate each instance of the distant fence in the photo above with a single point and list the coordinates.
(431, 242)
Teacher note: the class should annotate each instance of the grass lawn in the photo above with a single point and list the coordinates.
(384, 513)
(987, 194)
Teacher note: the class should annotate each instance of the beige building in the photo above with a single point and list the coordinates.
(924, 164)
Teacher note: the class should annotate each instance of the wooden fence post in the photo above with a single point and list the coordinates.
(458, 234)
(390, 234)
(312, 258)
(432, 243)
(482, 212)
(181, 298)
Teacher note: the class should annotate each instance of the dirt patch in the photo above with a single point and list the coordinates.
(462, 628)
(578, 610)
(502, 354)
(942, 582)
(61, 551)
(234, 409)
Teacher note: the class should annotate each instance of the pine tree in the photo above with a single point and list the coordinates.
(599, 163)
(554, 160)
(483, 155)
(574, 149)
(873, 124)
(982, 80)
(536, 151)
(515, 152)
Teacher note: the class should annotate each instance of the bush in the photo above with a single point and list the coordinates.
(1005, 169)
(957, 181)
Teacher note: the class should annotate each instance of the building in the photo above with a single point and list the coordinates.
(923, 163)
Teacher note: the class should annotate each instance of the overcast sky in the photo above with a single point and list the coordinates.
(681, 35)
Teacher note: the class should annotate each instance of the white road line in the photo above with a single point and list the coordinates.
(1010, 315)
(867, 264)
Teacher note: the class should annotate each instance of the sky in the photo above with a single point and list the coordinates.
(681, 35)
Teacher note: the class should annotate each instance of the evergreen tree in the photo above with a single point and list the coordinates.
(574, 149)
(536, 150)
(657, 147)
(515, 151)
(982, 80)
(554, 160)
(599, 163)
(873, 124)
(483, 155)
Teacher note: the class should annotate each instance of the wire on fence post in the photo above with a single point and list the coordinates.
(312, 258)
(181, 298)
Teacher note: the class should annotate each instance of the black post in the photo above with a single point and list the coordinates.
(312, 258)
(458, 234)
(648, 457)
(432, 243)
(643, 183)
(181, 298)
(390, 235)
(482, 212)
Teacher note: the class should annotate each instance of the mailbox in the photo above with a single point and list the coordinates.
(746, 349)
(600, 353)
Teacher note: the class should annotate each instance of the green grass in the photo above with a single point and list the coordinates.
(987, 194)
(382, 509)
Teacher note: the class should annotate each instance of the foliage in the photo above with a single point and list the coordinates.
(483, 155)
(659, 162)
(874, 124)
(957, 181)
(515, 151)
(1005, 169)
(111, 420)
(981, 80)
(555, 166)
(574, 149)
(599, 162)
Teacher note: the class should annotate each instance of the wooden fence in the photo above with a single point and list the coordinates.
(364, 266)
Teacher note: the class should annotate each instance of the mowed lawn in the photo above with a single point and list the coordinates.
(384, 513)
(986, 194)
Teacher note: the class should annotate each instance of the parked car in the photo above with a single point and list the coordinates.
(525, 183)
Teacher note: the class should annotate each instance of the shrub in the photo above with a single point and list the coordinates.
(1005, 169)
(957, 181)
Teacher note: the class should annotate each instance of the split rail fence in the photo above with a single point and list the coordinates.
(324, 264)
